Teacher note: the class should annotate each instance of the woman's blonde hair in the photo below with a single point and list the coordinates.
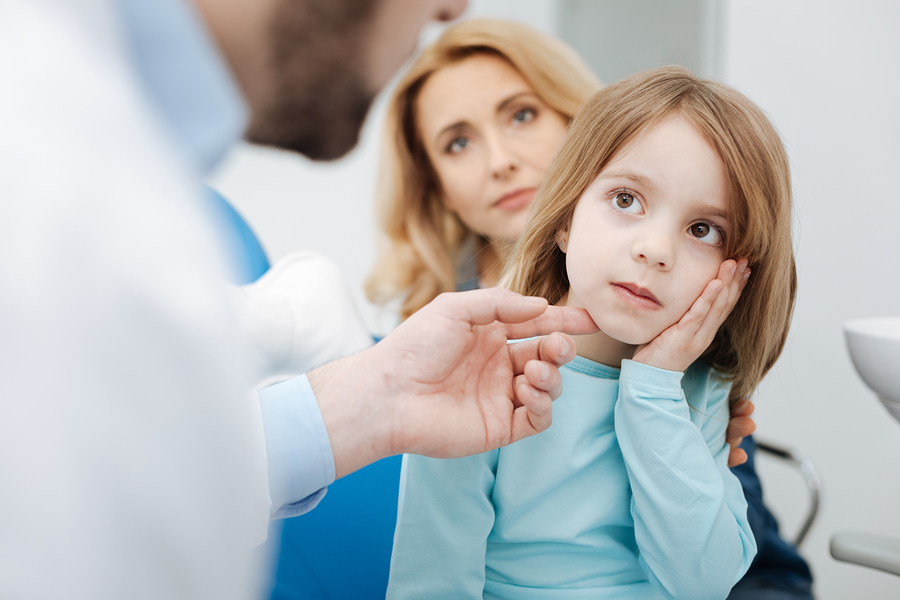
(425, 240)
(760, 213)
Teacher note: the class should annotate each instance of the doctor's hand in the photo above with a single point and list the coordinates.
(679, 345)
(446, 384)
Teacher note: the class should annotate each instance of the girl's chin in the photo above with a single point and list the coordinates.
(626, 336)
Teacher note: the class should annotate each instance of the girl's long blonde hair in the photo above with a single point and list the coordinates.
(424, 241)
(760, 213)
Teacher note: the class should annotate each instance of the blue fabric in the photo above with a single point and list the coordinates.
(291, 417)
(778, 571)
(185, 80)
(627, 495)
(246, 254)
(298, 450)
(189, 89)
(352, 529)
(353, 525)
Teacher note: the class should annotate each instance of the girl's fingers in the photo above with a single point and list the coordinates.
(693, 322)
(734, 276)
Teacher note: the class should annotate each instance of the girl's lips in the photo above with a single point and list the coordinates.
(637, 295)
(516, 199)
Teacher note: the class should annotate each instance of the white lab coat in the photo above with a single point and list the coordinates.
(131, 464)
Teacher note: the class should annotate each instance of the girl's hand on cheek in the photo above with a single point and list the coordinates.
(681, 344)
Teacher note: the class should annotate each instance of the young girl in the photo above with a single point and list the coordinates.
(665, 190)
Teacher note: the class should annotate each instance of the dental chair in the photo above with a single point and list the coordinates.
(810, 477)
(342, 549)
(778, 570)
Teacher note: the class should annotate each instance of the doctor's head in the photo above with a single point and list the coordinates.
(310, 69)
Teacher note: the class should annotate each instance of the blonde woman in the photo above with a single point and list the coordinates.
(667, 192)
(470, 130)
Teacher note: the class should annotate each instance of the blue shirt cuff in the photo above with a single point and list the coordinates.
(298, 450)
(653, 378)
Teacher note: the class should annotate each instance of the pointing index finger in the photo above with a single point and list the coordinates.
(565, 319)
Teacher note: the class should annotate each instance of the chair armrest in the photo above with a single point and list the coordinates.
(867, 550)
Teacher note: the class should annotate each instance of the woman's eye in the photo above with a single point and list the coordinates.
(706, 233)
(627, 203)
(457, 144)
(523, 116)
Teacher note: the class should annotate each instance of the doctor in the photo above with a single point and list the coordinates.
(132, 464)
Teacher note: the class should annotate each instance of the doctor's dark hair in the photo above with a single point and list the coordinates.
(759, 195)
(423, 241)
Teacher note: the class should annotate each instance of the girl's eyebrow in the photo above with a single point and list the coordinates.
(639, 179)
(646, 182)
(713, 211)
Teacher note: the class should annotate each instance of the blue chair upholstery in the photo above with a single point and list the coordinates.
(342, 549)
(244, 250)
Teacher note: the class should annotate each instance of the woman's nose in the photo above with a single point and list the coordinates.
(503, 162)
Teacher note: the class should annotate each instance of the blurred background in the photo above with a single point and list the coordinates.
(828, 75)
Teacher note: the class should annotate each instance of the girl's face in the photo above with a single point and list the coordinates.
(489, 138)
(646, 236)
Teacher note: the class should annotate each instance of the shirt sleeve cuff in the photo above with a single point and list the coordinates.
(300, 461)
(658, 381)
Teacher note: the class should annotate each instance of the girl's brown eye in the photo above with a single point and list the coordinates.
(624, 200)
(707, 233)
(700, 230)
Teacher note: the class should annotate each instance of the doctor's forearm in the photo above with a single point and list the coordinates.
(356, 411)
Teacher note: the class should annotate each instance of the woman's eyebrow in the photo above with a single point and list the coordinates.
(449, 128)
(500, 108)
(512, 98)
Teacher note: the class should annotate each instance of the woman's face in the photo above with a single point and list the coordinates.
(489, 138)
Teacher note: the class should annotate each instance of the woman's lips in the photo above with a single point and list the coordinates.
(516, 199)
(636, 295)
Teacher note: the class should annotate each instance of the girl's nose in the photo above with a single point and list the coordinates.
(655, 248)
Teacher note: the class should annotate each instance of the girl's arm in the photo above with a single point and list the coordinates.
(443, 521)
(689, 512)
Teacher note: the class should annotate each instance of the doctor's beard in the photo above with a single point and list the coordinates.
(319, 98)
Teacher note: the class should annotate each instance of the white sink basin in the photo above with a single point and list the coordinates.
(874, 346)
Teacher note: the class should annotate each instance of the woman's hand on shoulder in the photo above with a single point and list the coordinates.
(740, 426)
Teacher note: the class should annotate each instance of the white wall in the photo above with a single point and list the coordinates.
(828, 73)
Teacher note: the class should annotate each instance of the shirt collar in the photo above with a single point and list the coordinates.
(184, 77)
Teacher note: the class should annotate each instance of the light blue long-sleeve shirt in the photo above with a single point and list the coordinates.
(189, 87)
(627, 495)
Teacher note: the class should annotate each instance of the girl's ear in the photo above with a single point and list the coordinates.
(562, 238)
